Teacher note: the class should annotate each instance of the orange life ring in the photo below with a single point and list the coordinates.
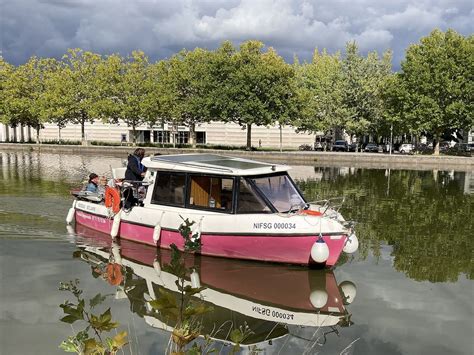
(112, 199)
(114, 274)
(311, 213)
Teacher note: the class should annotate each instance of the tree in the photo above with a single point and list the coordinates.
(6, 70)
(189, 84)
(321, 88)
(81, 87)
(362, 93)
(284, 104)
(254, 87)
(54, 100)
(126, 87)
(25, 90)
(438, 79)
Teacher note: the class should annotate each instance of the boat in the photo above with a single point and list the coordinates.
(237, 208)
(273, 300)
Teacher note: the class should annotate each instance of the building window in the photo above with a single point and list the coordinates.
(201, 137)
(146, 136)
(161, 136)
(182, 137)
(211, 192)
(169, 189)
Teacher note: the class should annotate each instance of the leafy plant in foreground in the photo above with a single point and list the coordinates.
(97, 324)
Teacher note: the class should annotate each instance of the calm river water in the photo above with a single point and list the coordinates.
(413, 273)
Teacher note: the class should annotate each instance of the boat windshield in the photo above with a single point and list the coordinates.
(280, 191)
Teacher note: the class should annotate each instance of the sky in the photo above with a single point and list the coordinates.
(47, 28)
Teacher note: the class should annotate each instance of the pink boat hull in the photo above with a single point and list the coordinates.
(274, 248)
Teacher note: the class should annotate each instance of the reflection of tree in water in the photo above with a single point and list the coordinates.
(423, 215)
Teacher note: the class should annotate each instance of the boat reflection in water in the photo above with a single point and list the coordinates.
(274, 301)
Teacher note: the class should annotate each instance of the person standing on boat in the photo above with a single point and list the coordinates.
(135, 169)
(92, 185)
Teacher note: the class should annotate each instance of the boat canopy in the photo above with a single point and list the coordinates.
(212, 164)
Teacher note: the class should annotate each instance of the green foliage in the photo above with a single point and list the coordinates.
(321, 88)
(192, 242)
(435, 89)
(415, 212)
(127, 91)
(364, 79)
(188, 84)
(81, 89)
(252, 85)
(25, 93)
(82, 342)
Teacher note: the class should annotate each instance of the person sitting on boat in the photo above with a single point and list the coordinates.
(92, 185)
(135, 169)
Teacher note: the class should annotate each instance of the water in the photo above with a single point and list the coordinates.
(413, 272)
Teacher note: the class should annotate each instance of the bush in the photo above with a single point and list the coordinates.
(61, 142)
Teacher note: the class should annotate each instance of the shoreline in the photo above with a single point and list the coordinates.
(336, 159)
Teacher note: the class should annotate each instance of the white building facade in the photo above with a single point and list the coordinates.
(214, 133)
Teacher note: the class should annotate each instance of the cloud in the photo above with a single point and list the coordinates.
(160, 28)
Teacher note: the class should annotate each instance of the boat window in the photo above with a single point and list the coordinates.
(280, 191)
(211, 192)
(249, 201)
(169, 189)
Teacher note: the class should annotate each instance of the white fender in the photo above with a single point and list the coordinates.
(116, 253)
(349, 291)
(198, 230)
(116, 224)
(157, 229)
(318, 298)
(195, 280)
(320, 251)
(71, 212)
(70, 231)
(157, 267)
(351, 245)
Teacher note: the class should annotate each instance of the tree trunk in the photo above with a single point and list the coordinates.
(7, 133)
(249, 136)
(134, 135)
(59, 134)
(192, 134)
(436, 145)
(83, 133)
(22, 133)
(83, 128)
(38, 135)
(15, 140)
(281, 139)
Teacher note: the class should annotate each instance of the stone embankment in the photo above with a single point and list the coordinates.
(362, 160)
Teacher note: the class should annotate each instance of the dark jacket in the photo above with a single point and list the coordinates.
(134, 168)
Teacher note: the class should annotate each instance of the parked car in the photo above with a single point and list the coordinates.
(352, 147)
(305, 147)
(371, 148)
(463, 147)
(444, 147)
(423, 148)
(407, 148)
(340, 146)
(318, 146)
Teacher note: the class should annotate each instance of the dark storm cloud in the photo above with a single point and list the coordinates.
(160, 28)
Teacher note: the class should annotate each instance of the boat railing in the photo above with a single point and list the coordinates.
(329, 207)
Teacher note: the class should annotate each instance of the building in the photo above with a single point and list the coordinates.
(214, 133)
